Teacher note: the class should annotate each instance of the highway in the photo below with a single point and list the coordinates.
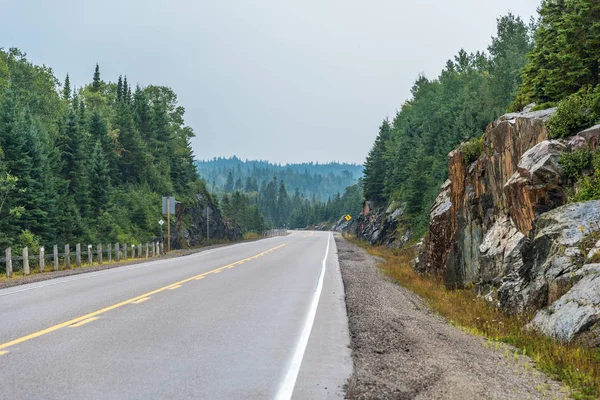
(256, 320)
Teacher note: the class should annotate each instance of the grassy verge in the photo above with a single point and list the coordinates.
(575, 365)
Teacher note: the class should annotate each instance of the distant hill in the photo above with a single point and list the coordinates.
(321, 180)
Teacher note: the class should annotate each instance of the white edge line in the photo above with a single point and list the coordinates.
(87, 275)
(286, 387)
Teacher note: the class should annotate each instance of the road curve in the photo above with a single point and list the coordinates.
(259, 320)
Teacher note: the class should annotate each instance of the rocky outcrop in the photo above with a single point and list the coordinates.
(383, 226)
(503, 226)
(575, 312)
(195, 232)
(536, 186)
(477, 199)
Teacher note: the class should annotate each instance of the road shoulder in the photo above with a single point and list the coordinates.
(327, 363)
(400, 349)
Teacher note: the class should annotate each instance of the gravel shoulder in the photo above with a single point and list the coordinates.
(402, 350)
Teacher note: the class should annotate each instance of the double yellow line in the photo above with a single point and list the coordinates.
(138, 299)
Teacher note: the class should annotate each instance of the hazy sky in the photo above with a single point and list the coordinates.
(286, 81)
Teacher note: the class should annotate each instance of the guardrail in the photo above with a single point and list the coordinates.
(67, 258)
(276, 232)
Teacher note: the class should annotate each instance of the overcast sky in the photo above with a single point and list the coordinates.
(286, 81)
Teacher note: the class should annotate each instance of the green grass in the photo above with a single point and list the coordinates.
(575, 365)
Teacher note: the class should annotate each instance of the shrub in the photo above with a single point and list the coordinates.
(29, 240)
(574, 113)
(588, 188)
(472, 150)
(573, 164)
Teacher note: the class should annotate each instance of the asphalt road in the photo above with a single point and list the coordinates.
(259, 320)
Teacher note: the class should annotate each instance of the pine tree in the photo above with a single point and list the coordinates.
(96, 83)
(565, 56)
(99, 179)
(229, 185)
(238, 184)
(375, 166)
(67, 88)
(120, 89)
(283, 205)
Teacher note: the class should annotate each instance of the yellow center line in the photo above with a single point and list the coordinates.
(140, 300)
(175, 287)
(199, 278)
(85, 321)
(4, 352)
(110, 308)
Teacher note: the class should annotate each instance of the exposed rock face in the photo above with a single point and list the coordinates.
(536, 185)
(552, 257)
(590, 138)
(219, 228)
(477, 200)
(501, 225)
(574, 312)
(382, 227)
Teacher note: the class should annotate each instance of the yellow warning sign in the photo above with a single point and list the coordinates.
(348, 217)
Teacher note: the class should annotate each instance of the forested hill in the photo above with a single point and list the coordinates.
(408, 161)
(225, 175)
(90, 163)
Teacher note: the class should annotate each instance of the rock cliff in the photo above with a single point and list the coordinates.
(503, 226)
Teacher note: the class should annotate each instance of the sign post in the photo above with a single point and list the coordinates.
(168, 224)
(168, 207)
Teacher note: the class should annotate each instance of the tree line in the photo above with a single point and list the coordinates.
(226, 175)
(408, 161)
(272, 206)
(551, 61)
(89, 163)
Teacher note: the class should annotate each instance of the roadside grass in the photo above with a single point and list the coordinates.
(575, 365)
(19, 273)
(251, 236)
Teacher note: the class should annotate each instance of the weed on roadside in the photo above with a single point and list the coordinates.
(575, 365)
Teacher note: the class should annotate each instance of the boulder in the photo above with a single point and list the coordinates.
(536, 186)
(576, 311)
(552, 256)
(588, 138)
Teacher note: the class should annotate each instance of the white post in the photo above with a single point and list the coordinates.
(55, 251)
(78, 254)
(67, 256)
(90, 256)
(42, 260)
(9, 270)
(26, 260)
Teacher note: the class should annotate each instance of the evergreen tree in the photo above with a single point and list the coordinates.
(120, 89)
(375, 166)
(565, 56)
(67, 88)
(99, 178)
(229, 185)
(283, 205)
(96, 83)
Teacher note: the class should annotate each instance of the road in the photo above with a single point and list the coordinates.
(257, 320)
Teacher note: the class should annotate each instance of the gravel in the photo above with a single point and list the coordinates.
(402, 350)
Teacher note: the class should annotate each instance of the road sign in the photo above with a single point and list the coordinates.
(348, 217)
(161, 222)
(171, 204)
